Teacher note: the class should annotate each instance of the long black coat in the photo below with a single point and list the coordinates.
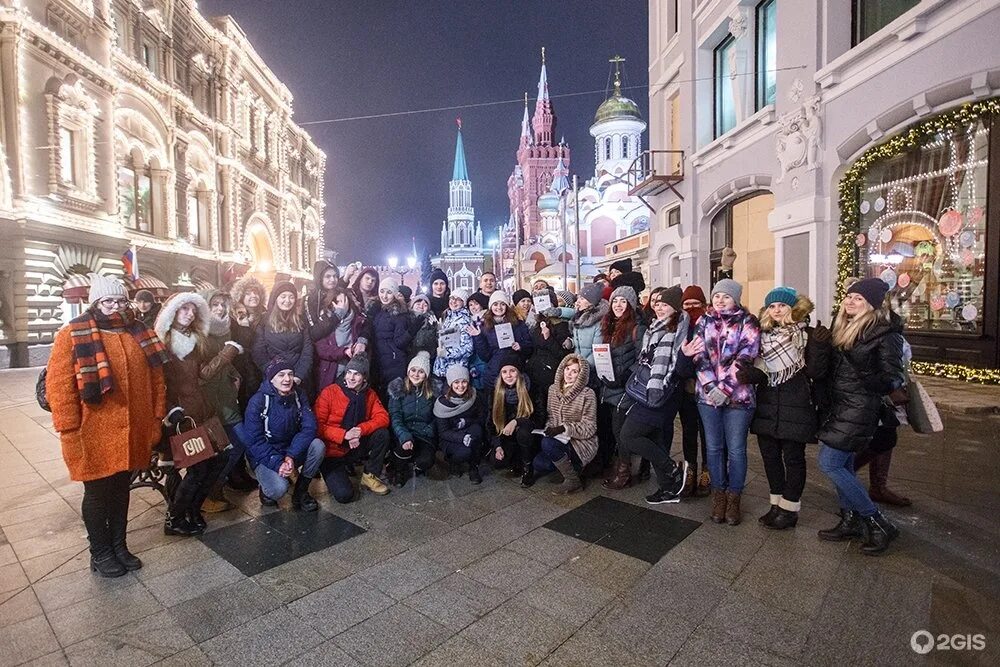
(391, 334)
(789, 411)
(860, 379)
(545, 358)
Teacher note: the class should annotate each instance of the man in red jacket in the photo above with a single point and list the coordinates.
(352, 422)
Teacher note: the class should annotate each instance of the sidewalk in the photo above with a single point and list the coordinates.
(445, 573)
(960, 397)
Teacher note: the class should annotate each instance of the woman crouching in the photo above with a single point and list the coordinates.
(570, 440)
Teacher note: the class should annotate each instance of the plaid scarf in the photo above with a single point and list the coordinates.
(93, 372)
(783, 351)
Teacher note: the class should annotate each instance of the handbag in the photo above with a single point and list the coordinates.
(921, 412)
(637, 386)
(199, 443)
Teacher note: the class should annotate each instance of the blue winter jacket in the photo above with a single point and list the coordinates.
(454, 320)
(276, 426)
(489, 350)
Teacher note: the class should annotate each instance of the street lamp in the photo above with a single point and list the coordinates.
(411, 262)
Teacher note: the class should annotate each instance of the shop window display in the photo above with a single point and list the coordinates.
(923, 230)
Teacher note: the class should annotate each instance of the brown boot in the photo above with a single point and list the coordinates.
(621, 478)
(690, 482)
(704, 482)
(878, 474)
(733, 515)
(719, 506)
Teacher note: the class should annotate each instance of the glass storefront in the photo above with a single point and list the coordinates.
(923, 216)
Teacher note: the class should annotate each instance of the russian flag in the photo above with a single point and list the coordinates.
(130, 263)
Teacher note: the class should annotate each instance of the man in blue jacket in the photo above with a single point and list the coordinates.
(279, 429)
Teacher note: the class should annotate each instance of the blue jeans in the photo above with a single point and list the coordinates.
(274, 486)
(551, 451)
(838, 465)
(726, 431)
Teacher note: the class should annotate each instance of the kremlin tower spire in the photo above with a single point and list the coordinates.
(525, 125)
(544, 120)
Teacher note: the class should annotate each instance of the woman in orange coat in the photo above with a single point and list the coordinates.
(104, 384)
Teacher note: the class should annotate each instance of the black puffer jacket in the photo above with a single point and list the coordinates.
(391, 338)
(544, 361)
(860, 380)
(623, 358)
(788, 411)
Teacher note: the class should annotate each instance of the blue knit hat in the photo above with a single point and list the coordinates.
(785, 295)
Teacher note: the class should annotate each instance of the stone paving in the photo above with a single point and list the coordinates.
(450, 574)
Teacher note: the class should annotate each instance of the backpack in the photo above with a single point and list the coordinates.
(40, 396)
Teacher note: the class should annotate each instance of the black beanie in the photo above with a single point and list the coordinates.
(872, 289)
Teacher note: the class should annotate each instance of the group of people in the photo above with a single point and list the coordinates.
(367, 385)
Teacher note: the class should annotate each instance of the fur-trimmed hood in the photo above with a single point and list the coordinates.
(802, 309)
(245, 284)
(569, 393)
(592, 316)
(170, 307)
(394, 308)
(395, 388)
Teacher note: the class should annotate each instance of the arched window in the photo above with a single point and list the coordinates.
(607, 148)
(624, 147)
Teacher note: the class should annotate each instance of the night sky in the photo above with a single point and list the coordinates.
(387, 178)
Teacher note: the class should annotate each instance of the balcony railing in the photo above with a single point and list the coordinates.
(654, 172)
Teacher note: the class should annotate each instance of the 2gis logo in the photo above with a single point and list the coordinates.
(923, 642)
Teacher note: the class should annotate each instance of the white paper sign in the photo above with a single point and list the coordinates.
(450, 339)
(602, 360)
(542, 302)
(562, 437)
(505, 335)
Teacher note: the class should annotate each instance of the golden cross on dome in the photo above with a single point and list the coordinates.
(617, 60)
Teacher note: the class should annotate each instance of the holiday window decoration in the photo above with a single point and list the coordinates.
(913, 212)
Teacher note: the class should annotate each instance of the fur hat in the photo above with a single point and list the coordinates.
(145, 296)
(277, 365)
(628, 294)
(694, 292)
(248, 283)
(730, 287)
(359, 364)
(421, 361)
(499, 297)
(781, 294)
(872, 289)
(102, 287)
(456, 372)
(520, 294)
(592, 293)
(460, 293)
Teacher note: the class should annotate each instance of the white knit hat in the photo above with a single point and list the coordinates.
(421, 361)
(456, 372)
(390, 284)
(102, 287)
(499, 297)
(460, 293)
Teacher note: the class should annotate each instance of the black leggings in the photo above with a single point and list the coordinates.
(518, 449)
(105, 506)
(421, 456)
(197, 482)
(648, 441)
(691, 430)
(785, 466)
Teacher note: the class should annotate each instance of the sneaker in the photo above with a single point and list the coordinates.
(676, 484)
(662, 497)
(374, 484)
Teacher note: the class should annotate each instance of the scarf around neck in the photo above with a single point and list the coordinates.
(783, 352)
(446, 407)
(90, 360)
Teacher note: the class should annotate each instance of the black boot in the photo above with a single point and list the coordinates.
(528, 478)
(878, 531)
(474, 475)
(783, 519)
(265, 501)
(96, 516)
(107, 565)
(178, 524)
(197, 521)
(119, 528)
(301, 500)
(849, 527)
(766, 519)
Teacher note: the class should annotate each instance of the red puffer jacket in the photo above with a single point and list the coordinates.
(331, 407)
